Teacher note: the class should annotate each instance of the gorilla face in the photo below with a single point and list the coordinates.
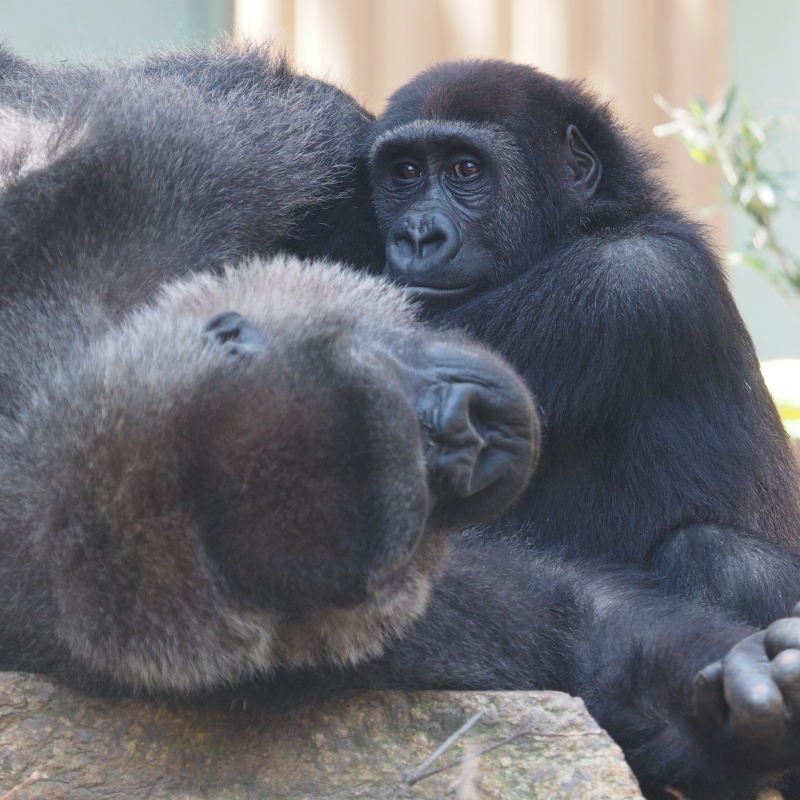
(436, 187)
(268, 484)
(356, 436)
(455, 198)
(477, 171)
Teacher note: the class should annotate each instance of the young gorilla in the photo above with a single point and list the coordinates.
(213, 474)
(517, 209)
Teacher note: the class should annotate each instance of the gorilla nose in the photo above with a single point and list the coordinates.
(463, 457)
(420, 245)
(480, 432)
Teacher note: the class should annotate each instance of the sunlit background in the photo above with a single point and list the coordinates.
(628, 49)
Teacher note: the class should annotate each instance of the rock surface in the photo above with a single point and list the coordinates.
(55, 743)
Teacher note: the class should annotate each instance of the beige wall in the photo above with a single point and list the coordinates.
(628, 49)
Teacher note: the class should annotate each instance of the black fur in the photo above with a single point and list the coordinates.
(661, 445)
(219, 467)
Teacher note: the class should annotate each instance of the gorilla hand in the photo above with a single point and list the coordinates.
(750, 700)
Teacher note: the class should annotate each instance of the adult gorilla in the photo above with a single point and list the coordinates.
(217, 467)
(517, 208)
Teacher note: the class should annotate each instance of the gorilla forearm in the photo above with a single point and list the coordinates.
(499, 617)
(756, 578)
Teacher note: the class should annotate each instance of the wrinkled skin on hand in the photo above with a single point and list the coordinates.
(750, 699)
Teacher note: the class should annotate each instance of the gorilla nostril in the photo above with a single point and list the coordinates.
(431, 242)
(403, 246)
(420, 240)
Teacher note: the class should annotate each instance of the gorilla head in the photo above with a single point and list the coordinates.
(253, 471)
(481, 168)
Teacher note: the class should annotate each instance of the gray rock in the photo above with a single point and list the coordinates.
(55, 743)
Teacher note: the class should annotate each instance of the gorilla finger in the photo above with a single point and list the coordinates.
(753, 701)
(751, 647)
(709, 698)
(784, 634)
(785, 672)
(750, 692)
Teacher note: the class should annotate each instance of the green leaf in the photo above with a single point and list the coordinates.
(730, 136)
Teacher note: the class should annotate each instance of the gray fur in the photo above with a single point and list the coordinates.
(94, 490)
(178, 512)
(220, 464)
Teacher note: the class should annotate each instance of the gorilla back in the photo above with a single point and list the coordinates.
(133, 173)
(516, 207)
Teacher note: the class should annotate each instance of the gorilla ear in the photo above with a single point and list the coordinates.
(232, 331)
(584, 164)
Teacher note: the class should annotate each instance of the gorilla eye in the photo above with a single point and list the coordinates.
(466, 169)
(407, 171)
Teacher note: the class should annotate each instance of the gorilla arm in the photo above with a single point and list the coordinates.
(637, 309)
(505, 618)
(653, 412)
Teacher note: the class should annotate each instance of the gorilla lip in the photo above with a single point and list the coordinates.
(432, 295)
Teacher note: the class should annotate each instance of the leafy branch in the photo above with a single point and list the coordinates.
(730, 136)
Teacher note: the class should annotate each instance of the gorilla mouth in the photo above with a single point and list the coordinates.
(433, 297)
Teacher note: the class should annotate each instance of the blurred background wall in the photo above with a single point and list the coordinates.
(48, 30)
(628, 49)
